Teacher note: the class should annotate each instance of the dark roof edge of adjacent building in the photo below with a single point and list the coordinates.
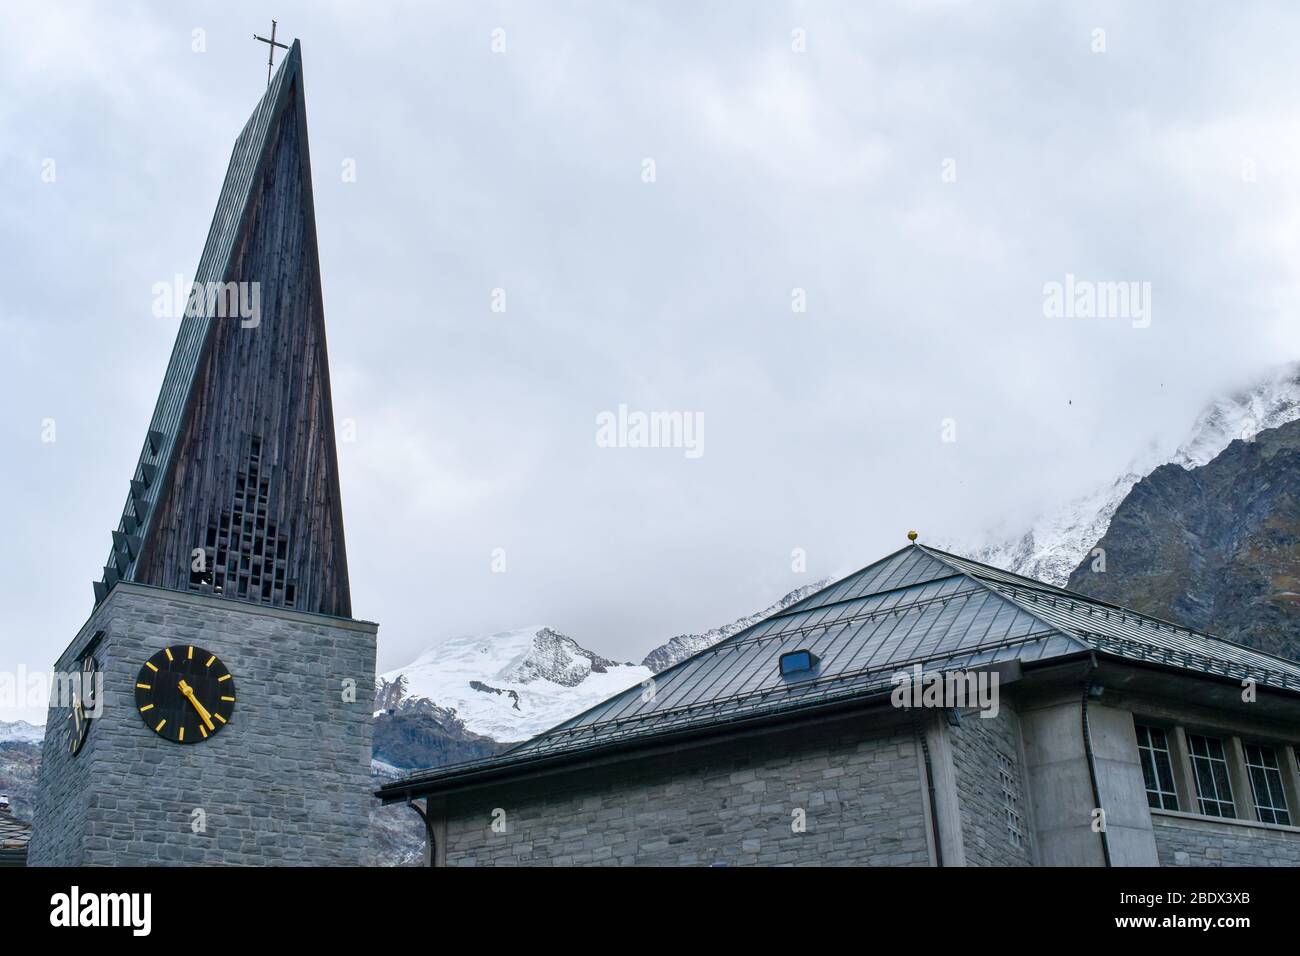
(15, 835)
(511, 762)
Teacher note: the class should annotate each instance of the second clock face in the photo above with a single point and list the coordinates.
(83, 705)
(185, 694)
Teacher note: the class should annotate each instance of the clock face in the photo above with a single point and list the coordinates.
(185, 694)
(83, 705)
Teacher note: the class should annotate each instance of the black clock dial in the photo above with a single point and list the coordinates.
(83, 705)
(185, 694)
(78, 726)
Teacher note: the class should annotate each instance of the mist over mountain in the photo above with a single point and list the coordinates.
(1055, 545)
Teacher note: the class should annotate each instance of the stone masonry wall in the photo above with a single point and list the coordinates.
(1183, 841)
(977, 744)
(731, 804)
(286, 781)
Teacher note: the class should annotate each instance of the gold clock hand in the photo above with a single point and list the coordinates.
(188, 691)
(203, 711)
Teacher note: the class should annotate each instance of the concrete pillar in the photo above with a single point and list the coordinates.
(1243, 796)
(1060, 785)
(1184, 775)
(947, 803)
(1290, 781)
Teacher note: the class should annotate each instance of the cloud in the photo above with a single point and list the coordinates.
(821, 171)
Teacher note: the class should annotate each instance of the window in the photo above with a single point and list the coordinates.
(1266, 784)
(1010, 800)
(1157, 767)
(797, 662)
(1213, 788)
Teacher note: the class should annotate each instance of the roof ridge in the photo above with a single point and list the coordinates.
(836, 582)
(792, 611)
(942, 557)
(940, 554)
(1032, 584)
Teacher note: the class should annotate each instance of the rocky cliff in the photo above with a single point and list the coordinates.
(1216, 548)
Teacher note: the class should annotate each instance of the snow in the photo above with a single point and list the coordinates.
(1271, 403)
(22, 732)
(387, 770)
(513, 685)
(1060, 539)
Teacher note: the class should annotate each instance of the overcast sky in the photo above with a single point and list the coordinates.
(919, 170)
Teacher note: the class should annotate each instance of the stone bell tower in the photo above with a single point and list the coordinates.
(254, 749)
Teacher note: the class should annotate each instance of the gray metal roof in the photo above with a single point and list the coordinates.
(1124, 633)
(14, 837)
(918, 605)
(246, 162)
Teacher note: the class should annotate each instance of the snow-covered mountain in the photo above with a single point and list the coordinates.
(512, 685)
(1061, 538)
(20, 761)
(21, 731)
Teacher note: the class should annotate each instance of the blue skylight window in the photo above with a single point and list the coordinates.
(798, 662)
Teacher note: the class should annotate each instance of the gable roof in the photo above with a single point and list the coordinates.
(15, 834)
(918, 605)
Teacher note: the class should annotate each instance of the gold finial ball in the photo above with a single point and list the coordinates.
(911, 536)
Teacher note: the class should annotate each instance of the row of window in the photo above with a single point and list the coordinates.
(1011, 800)
(1210, 775)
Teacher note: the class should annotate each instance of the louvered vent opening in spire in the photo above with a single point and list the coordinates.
(245, 553)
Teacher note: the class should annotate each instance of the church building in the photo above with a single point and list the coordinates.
(221, 690)
(927, 710)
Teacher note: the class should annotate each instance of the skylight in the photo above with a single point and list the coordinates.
(797, 662)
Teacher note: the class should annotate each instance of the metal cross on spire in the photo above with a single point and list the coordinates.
(270, 52)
